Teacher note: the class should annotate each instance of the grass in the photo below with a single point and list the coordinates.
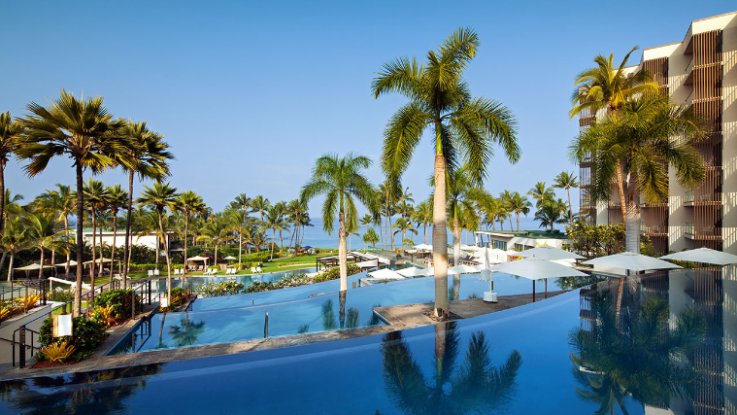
(289, 263)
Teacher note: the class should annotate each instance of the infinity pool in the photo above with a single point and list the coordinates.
(305, 309)
(662, 345)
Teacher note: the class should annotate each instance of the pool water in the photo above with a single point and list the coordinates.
(298, 310)
(662, 345)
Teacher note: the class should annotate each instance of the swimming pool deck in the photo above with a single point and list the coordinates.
(399, 318)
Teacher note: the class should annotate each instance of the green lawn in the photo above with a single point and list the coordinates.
(288, 263)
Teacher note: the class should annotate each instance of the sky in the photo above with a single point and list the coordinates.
(250, 94)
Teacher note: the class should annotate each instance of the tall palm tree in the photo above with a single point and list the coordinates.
(161, 197)
(387, 195)
(567, 181)
(96, 200)
(146, 154)
(81, 129)
(216, 232)
(42, 235)
(15, 238)
(11, 207)
(276, 221)
(10, 138)
(242, 205)
(463, 127)
(461, 196)
(402, 226)
(648, 134)
(297, 213)
(423, 217)
(341, 180)
(190, 203)
(541, 193)
(370, 237)
(260, 205)
(518, 205)
(551, 213)
(61, 202)
(607, 87)
(117, 199)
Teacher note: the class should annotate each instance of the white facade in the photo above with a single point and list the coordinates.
(148, 240)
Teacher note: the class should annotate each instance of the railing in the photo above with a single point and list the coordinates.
(24, 288)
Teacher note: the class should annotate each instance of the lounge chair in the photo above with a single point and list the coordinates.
(150, 273)
(259, 270)
(253, 270)
(157, 272)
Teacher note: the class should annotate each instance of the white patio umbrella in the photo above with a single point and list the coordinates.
(470, 248)
(72, 263)
(703, 255)
(385, 274)
(537, 269)
(98, 261)
(423, 247)
(630, 261)
(230, 258)
(32, 267)
(549, 253)
(463, 269)
(412, 272)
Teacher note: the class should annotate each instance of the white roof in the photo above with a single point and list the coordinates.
(72, 263)
(630, 261)
(423, 247)
(229, 258)
(544, 252)
(98, 260)
(703, 255)
(31, 267)
(368, 264)
(385, 274)
(198, 258)
(537, 269)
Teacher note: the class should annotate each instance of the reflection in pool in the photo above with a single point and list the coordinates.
(657, 345)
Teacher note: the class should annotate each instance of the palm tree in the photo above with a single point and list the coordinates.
(518, 205)
(190, 203)
(146, 154)
(260, 205)
(82, 129)
(161, 197)
(402, 226)
(607, 87)
(551, 213)
(60, 203)
(370, 237)
(216, 232)
(42, 236)
(461, 196)
(387, 195)
(341, 181)
(276, 221)
(541, 193)
(297, 214)
(96, 200)
(639, 143)
(15, 238)
(463, 127)
(423, 217)
(567, 181)
(11, 132)
(117, 199)
(241, 205)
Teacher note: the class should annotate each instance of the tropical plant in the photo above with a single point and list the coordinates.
(145, 154)
(82, 129)
(10, 138)
(567, 181)
(276, 221)
(341, 180)
(61, 203)
(463, 127)
(370, 237)
(423, 217)
(16, 237)
(297, 213)
(519, 205)
(542, 194)
(460, 205)
(161, 197)
(28, 302)
(42, 236)
(117, 199)
(635, 146)
(105, 315)
(190, 203)
(216, 232)
(96, 200)
(186, 332)
(401, 227)
(550, 213)
(58, 352)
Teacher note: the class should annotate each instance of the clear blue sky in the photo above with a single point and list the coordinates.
(249, 94)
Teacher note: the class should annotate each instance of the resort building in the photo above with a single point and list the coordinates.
(519, 241)
(700, 72)
(148, 240)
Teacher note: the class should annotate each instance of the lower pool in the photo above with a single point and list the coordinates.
(660, 344)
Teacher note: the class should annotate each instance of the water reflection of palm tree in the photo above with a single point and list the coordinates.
(346, 320)
(186, 333)
(639, 356)
(477, 385)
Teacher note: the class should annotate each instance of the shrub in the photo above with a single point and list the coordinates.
(58, 351)
(334, 273)
(120, 300)
(6, 311)
(104, 315)
(28, 302)
(87, 335)
(60, 295)
(222, 288)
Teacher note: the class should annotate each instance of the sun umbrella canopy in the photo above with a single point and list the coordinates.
(470, 248)
(630, 261)
(423, 247)
(703, 255)
(72, 263)
(198, 258)
(98, 261)
(230, 258)
(463, 269)
(368, 264)
(414, 272)
(537, 269)
(32, 267)
(551, 254)
(385, 274)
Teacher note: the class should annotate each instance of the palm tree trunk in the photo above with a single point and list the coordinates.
(424, 233)
(77, 309)
(129, 210)
(620, 190)
(240, 248)
(10, 266)
(92, 265)
(440, 236)
(166, 255)
(2, 196)
(112, 247)
(273, 243)
(456, 241)
(186, 239)
(342, 255)
(53, 261)
(570, 210)
(632, 224)
(69, 256)
(517, 221)
(41, 265)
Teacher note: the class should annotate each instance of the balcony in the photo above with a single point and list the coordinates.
(703, 233)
